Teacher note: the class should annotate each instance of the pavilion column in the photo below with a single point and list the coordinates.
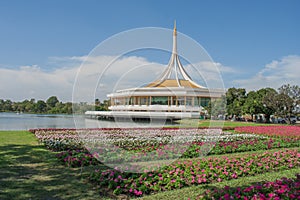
(112, 101)
(193, 101)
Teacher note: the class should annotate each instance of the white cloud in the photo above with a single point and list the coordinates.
(93, 77)
(101, 75)
(209, 73)
(32, 82)
(274, 74)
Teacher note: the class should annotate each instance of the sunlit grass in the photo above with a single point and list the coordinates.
(29, 171)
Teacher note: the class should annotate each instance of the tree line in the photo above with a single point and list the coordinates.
(51, 106)
(283, 102)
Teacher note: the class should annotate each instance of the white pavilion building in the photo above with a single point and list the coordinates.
(174, 95)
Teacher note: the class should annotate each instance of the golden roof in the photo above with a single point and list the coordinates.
(172, 83)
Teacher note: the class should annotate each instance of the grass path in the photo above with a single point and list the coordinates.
(29, 171)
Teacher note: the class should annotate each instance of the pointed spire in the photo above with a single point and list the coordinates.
(174, 39)
(175, 31)
(175, 68)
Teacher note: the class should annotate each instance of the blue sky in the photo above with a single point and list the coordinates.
(249, 37)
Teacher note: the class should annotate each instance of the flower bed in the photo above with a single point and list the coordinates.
(281, 131)
(58, 139)
(279, 189)
(81, 148)
(136, 145)
(77, 158)
(194, 172)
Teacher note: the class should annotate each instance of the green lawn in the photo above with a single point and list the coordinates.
(29, 171)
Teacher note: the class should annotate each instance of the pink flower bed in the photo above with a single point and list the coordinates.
(194, 172)
(279, 189)
(282, 131)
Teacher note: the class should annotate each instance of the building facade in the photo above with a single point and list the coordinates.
(173, 95)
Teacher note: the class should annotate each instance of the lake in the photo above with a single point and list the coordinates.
(14, 121)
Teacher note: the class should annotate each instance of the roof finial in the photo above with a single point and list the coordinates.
(175, 31)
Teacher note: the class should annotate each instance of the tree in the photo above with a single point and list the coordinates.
(40, 106)
(217, 107)
(29, 105)
(101, 106)
(1, 105)
(68, 108)
(235, 98)
(253, 104)
(97, 102)
(52, 101)
(293, 91)
(284, 106)
(7, 105)
(269, 102)
(263, 101)
(106, 104)
(289, 98)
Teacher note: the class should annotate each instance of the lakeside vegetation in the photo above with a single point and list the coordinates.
(236, 103)
(51, 106)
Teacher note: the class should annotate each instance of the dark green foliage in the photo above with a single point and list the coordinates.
(52, 101)
(217, 107)
(235, 98)
(51, 106)
(264, 101)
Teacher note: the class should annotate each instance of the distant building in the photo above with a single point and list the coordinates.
(174, 95)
